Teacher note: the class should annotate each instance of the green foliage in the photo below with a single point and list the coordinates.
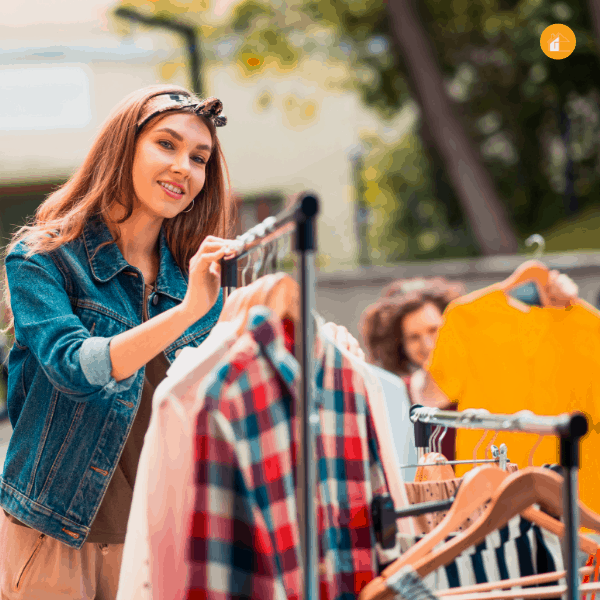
(406, 219)
(536, 121)
(245, 15)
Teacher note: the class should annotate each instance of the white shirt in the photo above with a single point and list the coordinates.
(153, 564)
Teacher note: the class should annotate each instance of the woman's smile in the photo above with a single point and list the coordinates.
(171, 189)
(171, 153)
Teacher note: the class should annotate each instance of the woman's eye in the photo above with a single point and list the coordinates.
(199, 160)
(166, 144)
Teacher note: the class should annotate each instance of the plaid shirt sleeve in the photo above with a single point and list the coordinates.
(244, 537)
(230, 548)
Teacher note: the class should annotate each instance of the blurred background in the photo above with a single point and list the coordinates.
(437, 133)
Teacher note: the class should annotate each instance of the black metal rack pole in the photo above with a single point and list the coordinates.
(300, 218)
(305, 244)
(570, 427)
(570, 437)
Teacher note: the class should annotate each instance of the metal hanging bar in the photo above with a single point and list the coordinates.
(524, 420)
(454, 462)
(300, 218)
(569, 427)
(261, 235)
(424, 508)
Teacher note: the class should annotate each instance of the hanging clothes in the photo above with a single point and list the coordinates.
(497, 353)
(519, 549)
(397, 404)
(244, 536)
(153, 564)
(431, 491)
(390, 408)
(449, 440)
(409, 586)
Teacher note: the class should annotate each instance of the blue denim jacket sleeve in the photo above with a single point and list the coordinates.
(72, 360)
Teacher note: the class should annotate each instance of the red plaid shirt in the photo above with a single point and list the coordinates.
(244, 540)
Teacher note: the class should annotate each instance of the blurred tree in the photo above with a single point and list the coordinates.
(417, 226)
(475, 188)
(533, 120)
(509, 111)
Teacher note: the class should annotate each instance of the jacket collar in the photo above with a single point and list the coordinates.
(108, 261)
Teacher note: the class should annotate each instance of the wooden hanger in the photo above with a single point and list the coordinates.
(531, 270)
(537, 272)
(555, 591)
(516, 494)
(507, 583)
(477, 488)
(278, 291)
(437, 468)
(441, 471)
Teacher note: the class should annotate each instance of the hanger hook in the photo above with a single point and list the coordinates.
(487, 448)
(273, 257)
(248, 261)
(282, 252)
(536, 238)
(535, 447)
(479, 444)
(440, 439)
(258, 264)
(433, 438)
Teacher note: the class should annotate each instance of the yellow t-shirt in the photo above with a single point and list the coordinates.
(496, 353)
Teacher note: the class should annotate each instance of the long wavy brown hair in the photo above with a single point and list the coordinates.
(381, 323)
(105, 178)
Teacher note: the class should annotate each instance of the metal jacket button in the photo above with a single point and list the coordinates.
(155, 300)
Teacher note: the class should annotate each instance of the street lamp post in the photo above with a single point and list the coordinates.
(187, 31)
(356, 156)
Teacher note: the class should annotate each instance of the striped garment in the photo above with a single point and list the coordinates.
(519, 549)
(244, 537)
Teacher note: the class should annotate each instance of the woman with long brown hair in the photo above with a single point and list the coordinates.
(118, 272)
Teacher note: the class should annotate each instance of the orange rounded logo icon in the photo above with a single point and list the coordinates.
(558, 41)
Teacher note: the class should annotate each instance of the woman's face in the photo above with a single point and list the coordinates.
(420, 329)
(169, 165)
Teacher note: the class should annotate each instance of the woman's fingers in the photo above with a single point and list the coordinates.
(213, 256)
(567, 285)
(341, 336)
(344, 339)
(561, 289)
(211, 243)
(210, 247)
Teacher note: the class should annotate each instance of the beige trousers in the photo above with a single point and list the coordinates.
(34, 566)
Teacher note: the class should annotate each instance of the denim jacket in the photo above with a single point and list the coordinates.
(70, 417)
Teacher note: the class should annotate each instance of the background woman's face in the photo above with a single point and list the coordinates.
(169, 166)
(420, 329)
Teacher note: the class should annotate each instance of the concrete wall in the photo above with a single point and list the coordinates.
(342, 297)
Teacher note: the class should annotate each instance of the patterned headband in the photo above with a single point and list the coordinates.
(210, 108)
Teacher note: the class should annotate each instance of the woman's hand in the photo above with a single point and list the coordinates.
(561, 291)
(343, 339)
(204, 281)
(424, 390)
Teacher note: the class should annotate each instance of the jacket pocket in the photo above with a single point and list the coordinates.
(30, 559)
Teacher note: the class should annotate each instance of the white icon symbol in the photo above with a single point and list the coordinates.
(556, 41)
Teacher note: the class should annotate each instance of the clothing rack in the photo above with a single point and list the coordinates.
(301, 220)
(569, 427)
